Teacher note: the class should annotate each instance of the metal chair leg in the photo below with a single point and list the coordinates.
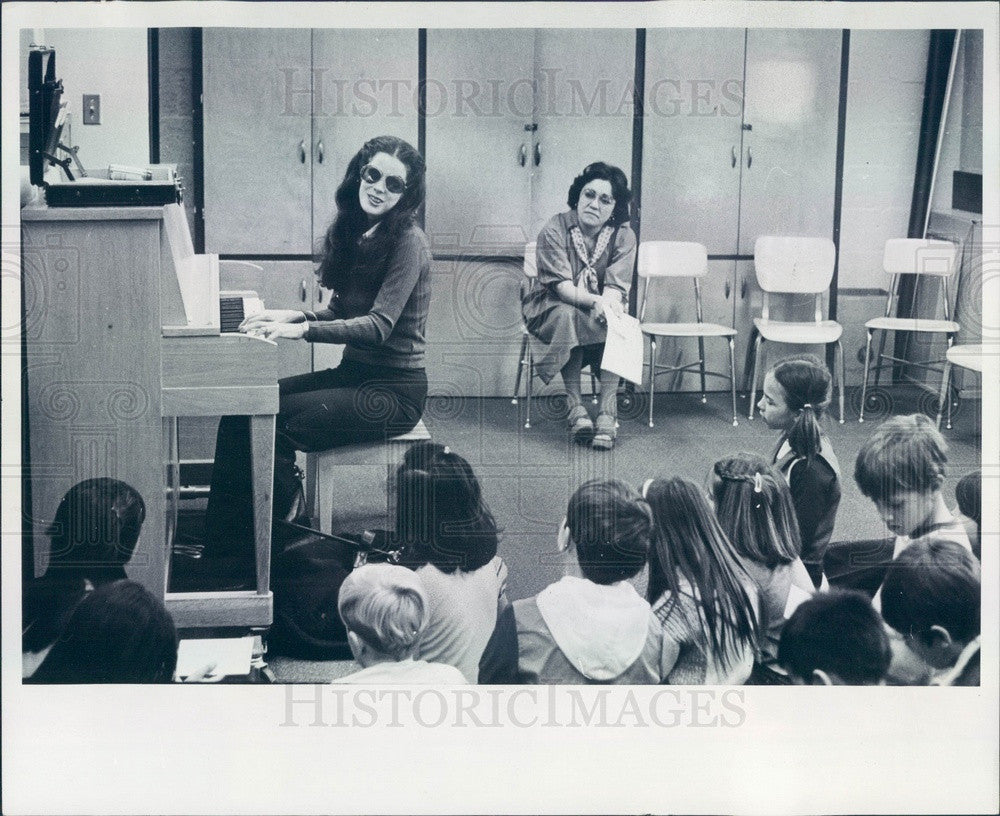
(878, 360)
(531, 376)
(843, 380)
(753, 376)
(701, 360)
(652, 377)
(732, 376)
(945, 393)
(864, 377)
(522, 359)
(951, 339)
(593, 388)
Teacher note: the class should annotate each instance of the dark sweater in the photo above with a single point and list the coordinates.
(385, 327)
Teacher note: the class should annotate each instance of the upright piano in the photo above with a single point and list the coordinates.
(122, 336)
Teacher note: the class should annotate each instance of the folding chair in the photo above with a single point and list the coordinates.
(792, 265)
(680, 259)
(923, 258)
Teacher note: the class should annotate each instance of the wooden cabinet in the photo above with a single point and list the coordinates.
(791, 94)
(512, 117)
(285, 110)
(257, 140)
(739, 140)
(479, 159)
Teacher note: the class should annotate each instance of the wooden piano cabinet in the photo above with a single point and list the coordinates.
(105, 386)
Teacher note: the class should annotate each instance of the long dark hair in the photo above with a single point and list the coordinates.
(619, 189)
(441, 517)
(806, 383)
(341, 253)
(119, 633)
(754, 507)
(689, 543)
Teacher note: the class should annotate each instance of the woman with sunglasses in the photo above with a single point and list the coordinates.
(377, 262)
(585, 259)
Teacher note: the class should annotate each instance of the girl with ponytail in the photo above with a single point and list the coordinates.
(754, 508)
(795, 398)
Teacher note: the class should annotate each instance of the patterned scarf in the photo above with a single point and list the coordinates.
(588, 275)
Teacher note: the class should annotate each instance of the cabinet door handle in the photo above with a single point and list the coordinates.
(319, 294)
(538, 154)
(319, 151)
(522, 155)
(729, 290)
(749, 157)
(743, 290)
(303, 291)
(734, 156)
(302, 151)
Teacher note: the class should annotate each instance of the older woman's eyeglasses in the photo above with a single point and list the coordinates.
(394, 184)
(604, 199)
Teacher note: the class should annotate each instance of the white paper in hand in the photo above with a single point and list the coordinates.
(624, 347)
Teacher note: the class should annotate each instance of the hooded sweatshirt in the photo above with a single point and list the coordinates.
(579, 632)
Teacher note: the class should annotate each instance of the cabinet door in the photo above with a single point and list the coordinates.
(281, 285)
(258, 177)
(479, 101)
(364, 85)
(691, 136)
(790, 133)
(583, 109)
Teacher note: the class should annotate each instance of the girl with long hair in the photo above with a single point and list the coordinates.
(754, 508)
(377, 262)
(698, 588)
(448, 535)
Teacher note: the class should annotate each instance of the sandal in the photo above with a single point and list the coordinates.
(581, 427)
(605, 432)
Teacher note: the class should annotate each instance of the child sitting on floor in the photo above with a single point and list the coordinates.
(931, 597)
(699, 590)
(92, 537)
(592, 626)
(901, 468)
(385, 610)
(448, 534)
(969, 497)
(119, 633)
(794, 401)
(833, 639)
(754, 507)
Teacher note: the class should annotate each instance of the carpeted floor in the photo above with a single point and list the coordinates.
(528, 474)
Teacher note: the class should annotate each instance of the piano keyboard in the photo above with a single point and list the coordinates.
(233, 310)
(230, 314)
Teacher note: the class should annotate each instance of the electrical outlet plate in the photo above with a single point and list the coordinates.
(91, 109)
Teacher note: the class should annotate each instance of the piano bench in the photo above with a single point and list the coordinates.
(349, 489)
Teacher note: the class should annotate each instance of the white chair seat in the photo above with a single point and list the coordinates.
(968, 356)
(687, 330)
(912, 325)
(779, 331)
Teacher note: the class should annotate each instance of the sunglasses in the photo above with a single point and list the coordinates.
(590, 194)
(394, 184)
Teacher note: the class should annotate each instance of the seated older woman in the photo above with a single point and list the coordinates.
(585, 260)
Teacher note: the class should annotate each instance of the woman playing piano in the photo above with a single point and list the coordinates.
(377, 262)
